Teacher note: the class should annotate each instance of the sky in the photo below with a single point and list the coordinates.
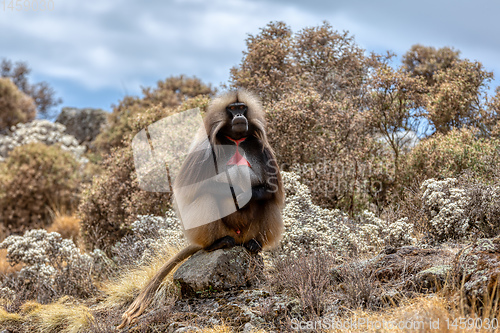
(95, 53)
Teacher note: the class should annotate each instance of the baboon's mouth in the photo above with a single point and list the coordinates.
(240, 125)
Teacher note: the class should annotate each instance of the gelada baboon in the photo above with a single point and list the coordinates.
(230, 177)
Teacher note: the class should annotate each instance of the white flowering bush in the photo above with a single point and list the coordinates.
(375, 232)
(42, 131)
(483, 208)
(308, 227)
(445, 205)
(51, 267)
(312, 228)
(149, 235)
(458, 209)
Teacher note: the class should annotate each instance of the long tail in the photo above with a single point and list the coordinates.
(169, 265)
(142, 301)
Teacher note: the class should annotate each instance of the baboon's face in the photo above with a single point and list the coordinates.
(237, 123)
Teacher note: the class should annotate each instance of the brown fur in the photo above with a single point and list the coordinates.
(259, 221)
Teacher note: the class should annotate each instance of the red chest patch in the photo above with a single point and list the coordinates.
(237, 158)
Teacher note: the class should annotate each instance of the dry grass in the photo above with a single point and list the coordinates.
(123, 290)
(62, 318)
(58, 317)
(8, 319)
(435, 313)
(306, 277)
(68, 226)
(225, 329)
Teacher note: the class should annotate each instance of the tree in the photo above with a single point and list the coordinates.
(267, 67)
(15, 106)
(494, 114)
(42, 94)
(314, 84)
(278, 62)
(456, 87)
(457, 98)
(395, 104)
(329, 61)
(426, 61)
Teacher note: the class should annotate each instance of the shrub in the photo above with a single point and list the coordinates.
(34, 180)
(15, 107)
(42, 131)
(311, 228)
(133, 113)
(359, 286)
(327, 143)
(52, 267)
(445, 156)
(484, 206)
(458, 209)
(308, 228)
(149, 235)
(445, 204)
(114, 200)
(306, 277)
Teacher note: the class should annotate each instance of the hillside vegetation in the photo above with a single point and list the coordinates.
(392, 177)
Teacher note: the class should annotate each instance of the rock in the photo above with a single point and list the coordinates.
(187, 329)
(248, 328)
(83, 124)
(223, 269)
(406, 262)
(69, 140)
(432, 279)
(235, 308)
(406, 269)
(476, 269)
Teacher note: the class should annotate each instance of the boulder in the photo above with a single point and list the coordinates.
(406, 262)
(432, 279)
(83, 124)
(476, 269)
(406, 268)
(219, 270)
(187, 329)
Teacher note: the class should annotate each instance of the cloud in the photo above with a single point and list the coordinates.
(117, 46)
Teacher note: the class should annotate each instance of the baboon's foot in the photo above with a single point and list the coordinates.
(253, 246)
(221, 243)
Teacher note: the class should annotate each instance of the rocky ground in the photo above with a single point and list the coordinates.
(217, 289)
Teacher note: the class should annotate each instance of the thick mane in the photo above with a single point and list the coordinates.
(215, 116)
